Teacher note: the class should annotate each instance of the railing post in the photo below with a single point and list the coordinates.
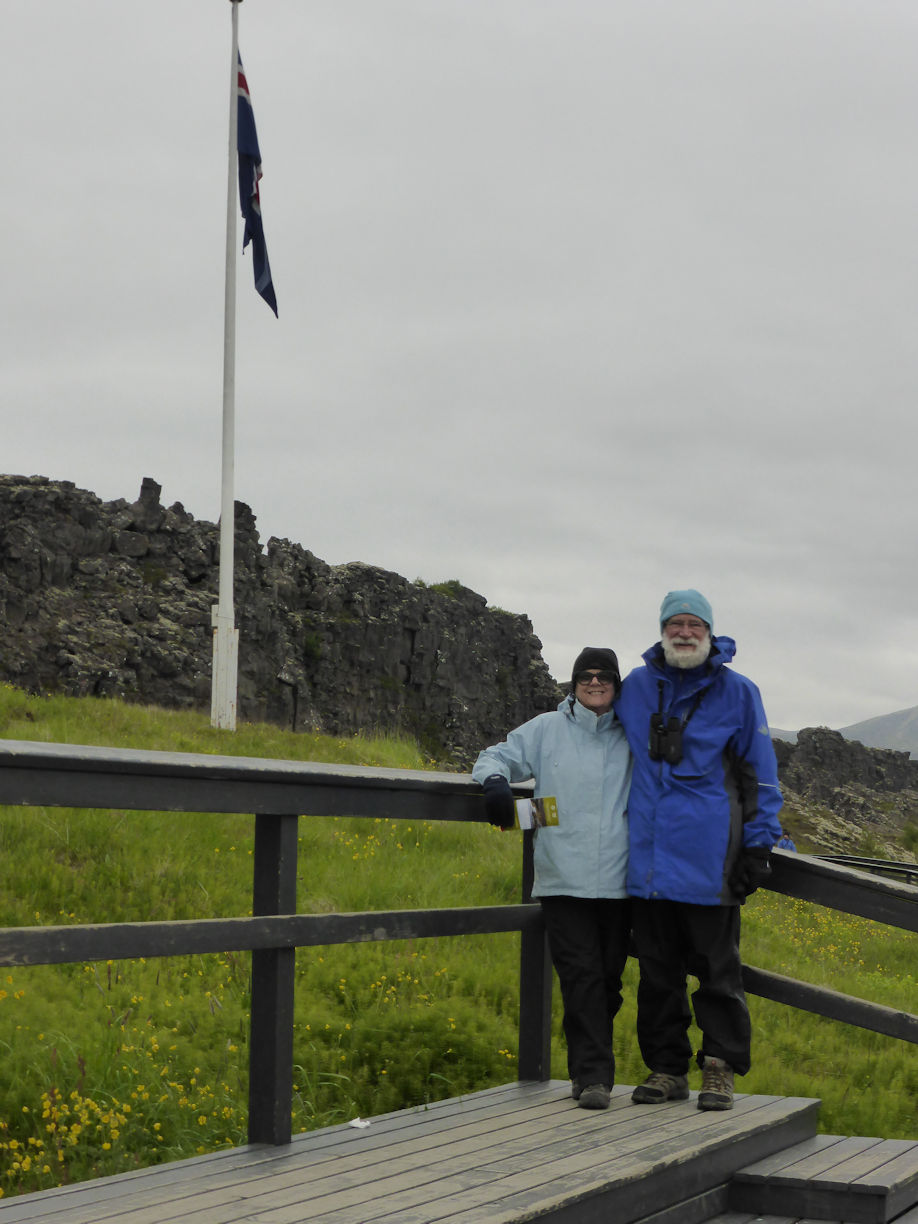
(534, 1058)
(271, 1023)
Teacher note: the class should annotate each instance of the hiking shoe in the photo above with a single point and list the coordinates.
(659, 1086)
(575, 1090)
(716, 1084)
(594, 1096)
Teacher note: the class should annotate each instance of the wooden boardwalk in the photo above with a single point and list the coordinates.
(517, 1153)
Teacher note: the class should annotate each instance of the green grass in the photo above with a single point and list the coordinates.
(111, 1066)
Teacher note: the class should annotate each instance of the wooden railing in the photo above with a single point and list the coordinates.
(277, 793)
(852, 892)
(895, 869)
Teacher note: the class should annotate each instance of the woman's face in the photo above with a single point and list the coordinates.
(595, 690)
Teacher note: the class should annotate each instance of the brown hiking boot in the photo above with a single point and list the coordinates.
(716, 1084)
(659, 1087)
(594, 1096)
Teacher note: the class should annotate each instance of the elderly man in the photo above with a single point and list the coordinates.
(702, 816)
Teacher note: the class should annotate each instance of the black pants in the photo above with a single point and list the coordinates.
(673, 940)
(588, 940)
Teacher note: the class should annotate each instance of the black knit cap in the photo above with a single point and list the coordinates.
(600, 657)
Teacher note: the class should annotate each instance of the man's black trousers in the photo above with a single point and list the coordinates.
(673, 940)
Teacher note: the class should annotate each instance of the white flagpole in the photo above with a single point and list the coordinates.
(226, 635)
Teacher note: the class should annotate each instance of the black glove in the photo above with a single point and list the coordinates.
(752, 870)
(499, 805)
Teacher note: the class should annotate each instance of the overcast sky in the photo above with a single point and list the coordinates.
(579, 301)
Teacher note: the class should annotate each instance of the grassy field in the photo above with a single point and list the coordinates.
(108, 1066)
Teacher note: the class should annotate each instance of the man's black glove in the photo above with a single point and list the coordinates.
(753, 869)
(499, 804)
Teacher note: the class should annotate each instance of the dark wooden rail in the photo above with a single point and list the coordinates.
(896, 870)
(277, 793)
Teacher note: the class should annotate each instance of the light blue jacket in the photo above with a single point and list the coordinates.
(584, 761)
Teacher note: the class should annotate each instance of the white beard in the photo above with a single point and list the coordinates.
(686, 658)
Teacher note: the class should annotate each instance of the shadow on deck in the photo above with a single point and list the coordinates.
(517, 1153)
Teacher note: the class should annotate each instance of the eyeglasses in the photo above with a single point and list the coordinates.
(603, 677)
(679, 624)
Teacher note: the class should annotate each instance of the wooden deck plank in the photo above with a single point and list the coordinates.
(472, 1152)
(777, 1163)
(861, 1165)
(520, 1186)
(162, 1183)
(525, 1140)
(863, 1180)
(819, 1168)
(497, 1156)
(898, 1177)
(637, 1183)
(698, 1209)
(752, 1217)
(854, 1164)
(307, 1191)
(896, 1161)
(346, 1179)
(465, 1139)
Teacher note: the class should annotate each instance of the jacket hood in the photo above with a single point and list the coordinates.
(572, 709)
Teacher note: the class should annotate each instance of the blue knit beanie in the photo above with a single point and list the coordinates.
(690, 603)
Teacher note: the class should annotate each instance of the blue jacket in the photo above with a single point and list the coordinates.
(584, 761)
(689, 821)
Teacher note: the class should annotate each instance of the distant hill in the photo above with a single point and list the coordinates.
(898, 730)
(777, 733)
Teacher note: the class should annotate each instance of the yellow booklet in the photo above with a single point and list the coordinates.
(536, 813)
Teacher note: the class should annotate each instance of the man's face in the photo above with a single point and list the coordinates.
(686, 641)
(595, 689)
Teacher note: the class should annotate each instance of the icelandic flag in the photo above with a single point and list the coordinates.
(249, 174)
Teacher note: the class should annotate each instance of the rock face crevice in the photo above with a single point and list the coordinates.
(114, 599)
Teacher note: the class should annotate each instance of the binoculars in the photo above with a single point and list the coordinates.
(665, 739)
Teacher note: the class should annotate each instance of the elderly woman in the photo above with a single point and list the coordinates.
(578, 755)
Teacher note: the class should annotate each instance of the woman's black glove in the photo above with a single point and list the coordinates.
(752, 870)
(499, 804)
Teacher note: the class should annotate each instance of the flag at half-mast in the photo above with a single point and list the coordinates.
(249, 199)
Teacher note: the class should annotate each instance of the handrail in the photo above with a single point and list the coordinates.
(844, 888)
(63, 945)
(76, 775)
(277, 792)
(884, 867)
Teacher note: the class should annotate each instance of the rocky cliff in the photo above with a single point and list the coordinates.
(841, 797)
(114, 599)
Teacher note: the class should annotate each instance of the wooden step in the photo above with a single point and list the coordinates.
(831, 1177)
(753, 1217)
